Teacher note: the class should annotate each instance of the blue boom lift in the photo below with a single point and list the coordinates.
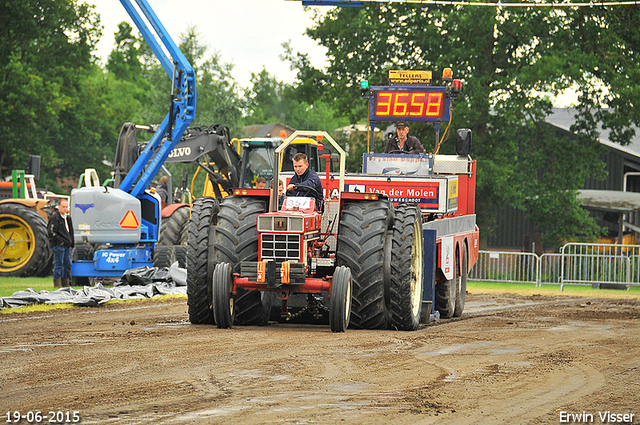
(123, 223)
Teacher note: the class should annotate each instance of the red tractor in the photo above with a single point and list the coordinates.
(254, 251)
(392, 248)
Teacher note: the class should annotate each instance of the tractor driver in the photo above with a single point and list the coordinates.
(307, 177)
(403, 142)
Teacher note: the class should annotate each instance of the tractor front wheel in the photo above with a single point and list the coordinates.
(340, 300)
(223, 302)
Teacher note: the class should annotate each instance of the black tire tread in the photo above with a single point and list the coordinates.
(464, 276)
(338, 303)
(221, 290)
(203, 215)
(362, 234)
(181, 255)
(164, 256)
(446, 295)
(172, 229)
(406, 218)
(235, 241)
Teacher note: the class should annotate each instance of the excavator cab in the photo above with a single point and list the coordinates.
(259, 156)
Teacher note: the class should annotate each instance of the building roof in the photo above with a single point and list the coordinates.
(564, 118)
(610, 200)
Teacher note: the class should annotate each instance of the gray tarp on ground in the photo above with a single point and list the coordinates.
(144, 282)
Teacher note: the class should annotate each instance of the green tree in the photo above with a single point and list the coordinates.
(266, 100)
(269, 100)
(45, 58)
(512, 62)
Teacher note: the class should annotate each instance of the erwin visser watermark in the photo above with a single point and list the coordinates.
(605, 417)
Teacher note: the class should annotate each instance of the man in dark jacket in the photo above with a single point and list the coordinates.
(403, 142)
(60, 231)
(307, 177)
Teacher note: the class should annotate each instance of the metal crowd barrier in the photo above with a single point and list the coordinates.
(603, 265)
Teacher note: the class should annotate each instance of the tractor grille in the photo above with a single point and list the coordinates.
(280, 246)
(282, 224)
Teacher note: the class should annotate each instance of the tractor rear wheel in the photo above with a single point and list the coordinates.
(24, 243)
(223, 302)
(199, 272)
(340, 300)
(362, 239)
(446, 292)
(405, 300)
(236, 240)
(462, 286)
(172, 229)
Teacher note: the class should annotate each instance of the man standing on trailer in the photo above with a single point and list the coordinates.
(307, 177)
(60, 229)
(403, 142)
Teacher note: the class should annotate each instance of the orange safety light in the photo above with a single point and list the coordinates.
(456, 86)
(447, 74)
(285, 272)
(283, 134)
(262, 271)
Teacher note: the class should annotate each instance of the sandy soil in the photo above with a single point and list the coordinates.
(509, 359)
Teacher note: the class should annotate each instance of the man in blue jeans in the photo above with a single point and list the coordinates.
(60, 231)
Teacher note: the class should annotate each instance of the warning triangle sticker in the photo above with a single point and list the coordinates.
(129, 221)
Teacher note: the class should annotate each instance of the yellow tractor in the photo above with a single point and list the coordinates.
(24, 244)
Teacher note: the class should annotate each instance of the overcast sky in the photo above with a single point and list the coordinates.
(246, 33)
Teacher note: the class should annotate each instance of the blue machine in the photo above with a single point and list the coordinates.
(123, 224)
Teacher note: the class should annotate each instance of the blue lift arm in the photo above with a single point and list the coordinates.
(182, 108)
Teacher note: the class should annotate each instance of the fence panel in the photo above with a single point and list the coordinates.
(497, 266)
(576, 264)
(589, 264)
(550, 271)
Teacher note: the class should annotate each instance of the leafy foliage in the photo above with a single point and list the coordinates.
(56, 101)
(45, 61)
(270, 100)
(512, 63)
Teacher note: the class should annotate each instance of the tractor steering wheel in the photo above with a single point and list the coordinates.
(308, 188)
(399, 151)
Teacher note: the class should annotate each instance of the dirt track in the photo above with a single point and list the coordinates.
(508, 360)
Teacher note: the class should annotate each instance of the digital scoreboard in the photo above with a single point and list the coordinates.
(409, 104)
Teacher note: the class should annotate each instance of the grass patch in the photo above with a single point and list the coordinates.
(11, 285)
(530, 289)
